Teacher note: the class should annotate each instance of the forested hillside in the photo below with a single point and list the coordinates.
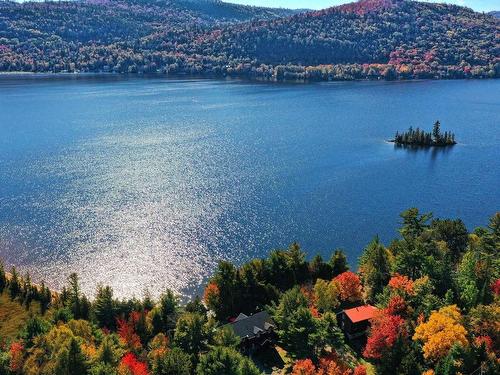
(368, 39)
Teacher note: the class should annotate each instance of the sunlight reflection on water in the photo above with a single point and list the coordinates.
(149, 183)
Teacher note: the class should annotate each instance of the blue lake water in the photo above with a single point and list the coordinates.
(148, 183)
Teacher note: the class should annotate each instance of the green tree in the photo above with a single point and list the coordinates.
(299, 332)
(45, 298)
(110, 351)
(297, 263)
(318, 269)
(338, 262)
(454, 233)
(227, 280)
(104, 307)
(436, 132)
(327, 295)
(226, 337)
(375, 268)
(14, 284)
(225, 361)
(190, 333)
(34, 327)
(414, 224)
(71, 361)
(173, 362)
(3, 277)
(74, 295)
(103, 369)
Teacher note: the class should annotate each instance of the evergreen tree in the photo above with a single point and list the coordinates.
(3, 277)
(225, 361)
(318, 269)
(173, 362)
(104, 307)
(45, 298)
(190, 333)
(297, 263)
(436, 132)
(14, 284)
(338, 262)
(375, 268)
(27, 291)
(413, 224)
(226, 337)
(168, 307)
(74, 295)
(71, 360)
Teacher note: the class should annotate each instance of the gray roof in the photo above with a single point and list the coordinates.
(251, 326)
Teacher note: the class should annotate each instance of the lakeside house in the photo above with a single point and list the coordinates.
(356, 321)
(255, 331)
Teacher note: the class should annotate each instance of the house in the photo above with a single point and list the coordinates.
(255, 331)
(356, 321)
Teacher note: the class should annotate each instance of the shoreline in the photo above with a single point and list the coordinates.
(227, 77)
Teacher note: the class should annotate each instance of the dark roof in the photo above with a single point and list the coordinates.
(250, 326)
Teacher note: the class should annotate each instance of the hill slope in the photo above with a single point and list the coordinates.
(371, 38)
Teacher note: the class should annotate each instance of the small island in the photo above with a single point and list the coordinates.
(417, 137)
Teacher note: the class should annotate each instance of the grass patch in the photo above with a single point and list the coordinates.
(13, 317)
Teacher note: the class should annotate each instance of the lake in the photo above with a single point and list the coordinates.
(146, 183)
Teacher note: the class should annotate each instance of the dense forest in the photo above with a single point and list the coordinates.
(374, 39)
(436, 290)
(417, 137)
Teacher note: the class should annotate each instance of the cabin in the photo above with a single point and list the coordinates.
(356, 321)
(255, 331)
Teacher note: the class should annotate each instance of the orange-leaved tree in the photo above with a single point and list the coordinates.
(350, 286)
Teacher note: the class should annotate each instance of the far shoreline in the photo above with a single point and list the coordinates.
(228, 78)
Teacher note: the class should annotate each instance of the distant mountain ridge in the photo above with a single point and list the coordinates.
(390, 39)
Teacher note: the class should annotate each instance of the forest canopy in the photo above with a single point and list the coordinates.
(436, 289)
(374, 39)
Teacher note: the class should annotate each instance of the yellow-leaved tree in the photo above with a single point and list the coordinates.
(443, 330)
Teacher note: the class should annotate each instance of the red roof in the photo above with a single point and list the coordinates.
(360, 313)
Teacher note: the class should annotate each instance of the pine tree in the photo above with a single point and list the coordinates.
(45, 298)
(338, 262)
(3, 278)
(14, 284)
(436, 132)
(27, 293)
(74, 295)
(105, 307)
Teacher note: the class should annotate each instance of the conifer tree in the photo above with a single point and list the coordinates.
(3, 278)
(14, 284)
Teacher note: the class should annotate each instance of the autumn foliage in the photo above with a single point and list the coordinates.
(16, 357)
(350, 286)
(304, 367)
(130, 365)
(126, 331)
(328, 365)
(385, 330)
(443, 330)
(211, 294)
(401, 283)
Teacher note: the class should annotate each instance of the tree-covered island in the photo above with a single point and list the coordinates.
(418, 137)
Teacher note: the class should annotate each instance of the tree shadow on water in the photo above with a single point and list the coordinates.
(433, 151)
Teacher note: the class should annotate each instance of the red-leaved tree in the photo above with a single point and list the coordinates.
(130, 365)
(385, 331)
(16, 357)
